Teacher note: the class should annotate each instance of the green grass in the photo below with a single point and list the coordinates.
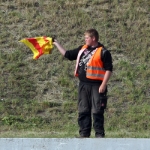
(39, 98)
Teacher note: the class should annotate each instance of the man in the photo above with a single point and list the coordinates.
(93, 68)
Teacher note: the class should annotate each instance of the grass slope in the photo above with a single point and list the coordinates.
(39, 98)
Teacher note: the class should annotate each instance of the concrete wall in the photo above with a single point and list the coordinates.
(74, 144)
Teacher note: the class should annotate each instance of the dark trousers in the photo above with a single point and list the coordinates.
(91, 105)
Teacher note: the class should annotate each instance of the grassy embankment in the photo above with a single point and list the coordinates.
(39, 98)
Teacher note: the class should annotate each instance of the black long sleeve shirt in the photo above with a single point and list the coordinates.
(86, 55)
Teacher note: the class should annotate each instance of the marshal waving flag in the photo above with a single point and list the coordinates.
(39, 45)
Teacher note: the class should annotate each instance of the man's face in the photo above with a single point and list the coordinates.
(89, 40)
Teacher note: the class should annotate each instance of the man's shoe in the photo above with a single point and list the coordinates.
(82, 136)
(99, 135)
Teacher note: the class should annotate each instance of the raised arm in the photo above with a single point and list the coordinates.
(59, 47)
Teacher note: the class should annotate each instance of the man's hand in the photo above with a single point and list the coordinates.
(102, 88)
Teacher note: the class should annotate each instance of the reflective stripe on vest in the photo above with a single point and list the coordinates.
(95, 68)
(95, 73)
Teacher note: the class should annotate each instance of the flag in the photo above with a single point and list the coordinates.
(39, 45)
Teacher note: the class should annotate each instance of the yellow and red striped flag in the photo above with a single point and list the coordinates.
(39, 45)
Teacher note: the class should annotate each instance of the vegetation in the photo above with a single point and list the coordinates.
(38, 98)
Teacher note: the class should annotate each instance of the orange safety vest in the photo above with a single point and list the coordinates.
(95, 69)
